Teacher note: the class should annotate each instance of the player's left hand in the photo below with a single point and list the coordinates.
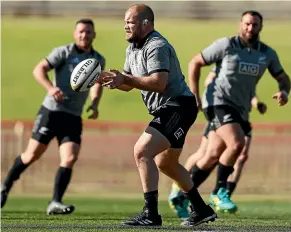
(281, 97)
(262, 107)
(95, 112)
(113, 79)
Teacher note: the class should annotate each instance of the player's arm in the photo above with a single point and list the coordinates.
(284, 83)
(194, 69)
(158, 63)
(97, 89)
(213, 53)
(156, 82)
(281, 77)
(40, 73)
(124, 87)
(53, 60)
(209, 78)
(96, 94)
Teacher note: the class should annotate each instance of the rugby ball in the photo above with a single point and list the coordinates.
(85, 75)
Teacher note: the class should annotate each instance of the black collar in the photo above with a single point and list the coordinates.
(142, 42)
(242, 44)
(80, 51)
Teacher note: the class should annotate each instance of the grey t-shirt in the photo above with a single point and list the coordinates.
(238, 71)
(245, 115)
(63, 60)
(156, 54)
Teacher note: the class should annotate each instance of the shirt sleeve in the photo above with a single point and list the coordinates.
(126, 67)
(216, 51)
(102, 63)
(56, 58)
(158, 59)
(275, 68)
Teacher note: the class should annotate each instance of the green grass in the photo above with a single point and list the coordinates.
(27, 214)
(26, 41)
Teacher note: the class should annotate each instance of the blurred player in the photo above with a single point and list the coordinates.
(60, 114)
(177, 200)
(152, 66)
(240, 61)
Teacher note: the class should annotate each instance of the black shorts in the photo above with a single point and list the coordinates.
(174, 120)
(247, 128)
(218, 116)
(64, 126)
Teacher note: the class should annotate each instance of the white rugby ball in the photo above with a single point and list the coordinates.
(85, 75)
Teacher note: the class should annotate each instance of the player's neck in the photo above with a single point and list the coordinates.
(249, 44)
(83, 49)
(142, 41)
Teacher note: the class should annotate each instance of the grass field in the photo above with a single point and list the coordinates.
(27, 214)
(27, 40)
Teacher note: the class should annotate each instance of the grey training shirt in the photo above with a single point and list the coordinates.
(238, 71)
(63, 60)
(156, 54)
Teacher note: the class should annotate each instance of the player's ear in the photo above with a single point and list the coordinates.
(145, 22)
(75, 34)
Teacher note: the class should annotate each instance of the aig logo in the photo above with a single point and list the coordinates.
(248, 68)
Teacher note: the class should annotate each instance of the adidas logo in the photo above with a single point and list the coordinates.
(145, 222)
(157, 120)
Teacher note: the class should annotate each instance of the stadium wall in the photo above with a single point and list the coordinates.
(106, 163)
(173, 9)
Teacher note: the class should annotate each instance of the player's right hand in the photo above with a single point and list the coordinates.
(262, 107)
(56, 93)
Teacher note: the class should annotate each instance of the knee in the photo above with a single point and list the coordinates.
(215, 152)
(162, 164)
(139, 154)
(243, 157)
(30, 157)
(213, 156)
(69, 160)
(237, 146)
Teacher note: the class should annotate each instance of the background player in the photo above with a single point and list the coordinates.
(241, 61)
(177, 200)
(60, 114)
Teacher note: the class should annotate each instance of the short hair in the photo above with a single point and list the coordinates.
(148, 14)
(85, 21)
(144, 12)
(253, 13)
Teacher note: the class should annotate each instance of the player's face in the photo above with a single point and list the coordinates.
(132, 27)
(84, 35)
(250, 27)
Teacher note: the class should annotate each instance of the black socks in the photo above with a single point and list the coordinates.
(62, 180)
(196, 200)
(14, 173)
(223, 173)
(198, 176)
(151, 201)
